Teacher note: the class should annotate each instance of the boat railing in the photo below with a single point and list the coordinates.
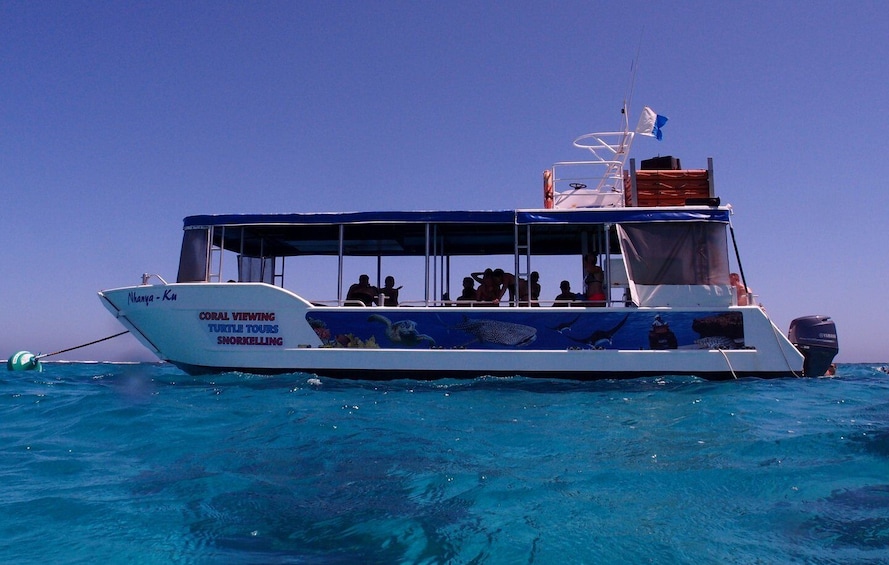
(148, 276)
(347, 303)
(597, 182)
(575, 175)
(473, 304)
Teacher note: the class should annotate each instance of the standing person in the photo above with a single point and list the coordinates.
(390, 292)
(506, 283)
(488, 288)
(741, 292)
(594, 279)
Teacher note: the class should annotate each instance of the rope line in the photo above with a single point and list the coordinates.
(729, 363)
(79, 346)
(777, 333)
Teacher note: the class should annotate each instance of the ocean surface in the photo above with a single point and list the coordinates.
(139, 463)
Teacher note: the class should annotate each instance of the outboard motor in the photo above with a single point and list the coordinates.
(816, 339)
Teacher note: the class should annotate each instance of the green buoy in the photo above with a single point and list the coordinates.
(24, 361)
(27, 361)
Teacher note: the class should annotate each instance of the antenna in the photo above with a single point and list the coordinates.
(634, 68)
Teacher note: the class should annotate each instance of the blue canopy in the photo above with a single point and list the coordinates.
(393, 233)
(542, 216)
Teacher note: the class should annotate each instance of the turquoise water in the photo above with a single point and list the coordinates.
(105, 463)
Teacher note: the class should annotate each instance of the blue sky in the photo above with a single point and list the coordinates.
(120, 118)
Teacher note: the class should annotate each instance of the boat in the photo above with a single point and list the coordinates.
(653, 240)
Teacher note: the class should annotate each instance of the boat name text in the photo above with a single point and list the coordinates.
(146, 299)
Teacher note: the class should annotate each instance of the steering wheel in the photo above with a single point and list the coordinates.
(577, 185)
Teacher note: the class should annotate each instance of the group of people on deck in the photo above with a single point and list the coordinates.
(494, 284)
(593, 286)
(367, 294)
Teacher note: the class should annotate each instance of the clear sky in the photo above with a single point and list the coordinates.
(118, 119)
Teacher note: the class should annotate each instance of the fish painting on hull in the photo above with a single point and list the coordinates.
(497, 332)
(565, 326)
(601, 338)
(403, 331)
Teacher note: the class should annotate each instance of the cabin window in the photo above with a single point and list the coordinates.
(256, 269)
(688, 253)
(193, 257)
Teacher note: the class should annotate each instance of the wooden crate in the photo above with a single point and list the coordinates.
(667, 187)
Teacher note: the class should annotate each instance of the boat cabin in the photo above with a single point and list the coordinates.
(648, 256)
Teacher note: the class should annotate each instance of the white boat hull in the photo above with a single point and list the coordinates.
(260, 328)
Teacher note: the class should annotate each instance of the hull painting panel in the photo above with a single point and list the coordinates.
(529, 328)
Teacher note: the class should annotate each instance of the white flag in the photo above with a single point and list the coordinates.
(650, 123)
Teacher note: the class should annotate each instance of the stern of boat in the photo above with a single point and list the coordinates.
(816, 338)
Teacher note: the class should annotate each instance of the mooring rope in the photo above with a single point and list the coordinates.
(729, 363)
(777, 334)
(41, 356)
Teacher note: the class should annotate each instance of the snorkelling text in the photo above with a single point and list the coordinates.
(244, 333)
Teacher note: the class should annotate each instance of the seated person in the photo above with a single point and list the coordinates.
(535, 288)
(529, 292)
(390, 292)
(363, 291)
(469, 294)
(566, 297)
